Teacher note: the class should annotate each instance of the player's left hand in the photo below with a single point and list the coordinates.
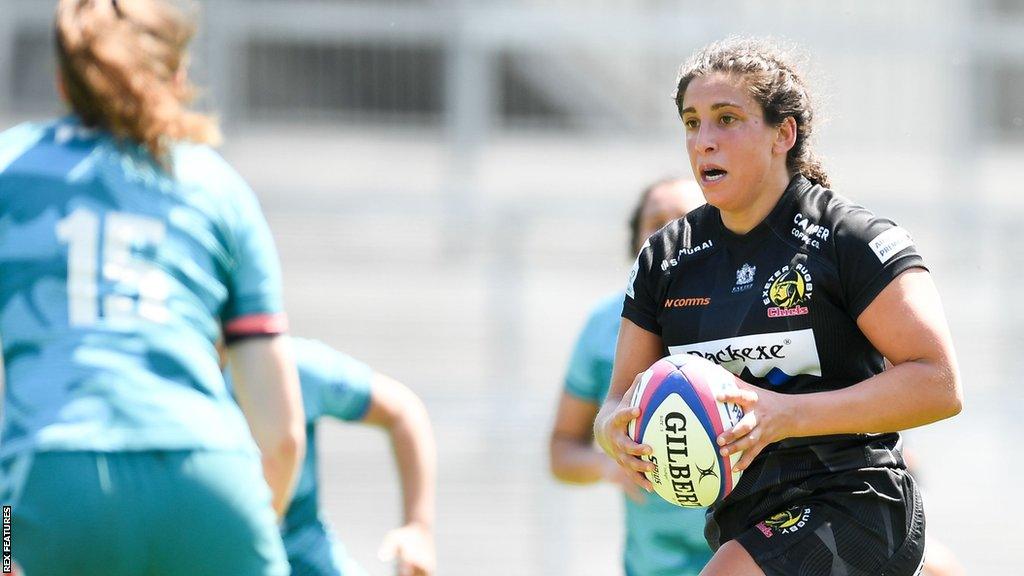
(412, 546)
(767, 418)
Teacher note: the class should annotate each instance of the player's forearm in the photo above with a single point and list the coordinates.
(282, 450)
(267, 388)
(281, 467)
(412, 439)
(576, 462)
(911, 394)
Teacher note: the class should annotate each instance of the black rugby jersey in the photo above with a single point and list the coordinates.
(777, 307)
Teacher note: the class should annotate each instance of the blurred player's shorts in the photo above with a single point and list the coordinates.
(314, 550)
(162, 512)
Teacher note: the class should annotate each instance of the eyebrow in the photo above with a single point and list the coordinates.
(714, 106)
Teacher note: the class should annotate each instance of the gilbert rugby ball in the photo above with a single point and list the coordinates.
(681, 421)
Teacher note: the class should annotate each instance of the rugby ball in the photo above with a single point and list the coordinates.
(681, 421)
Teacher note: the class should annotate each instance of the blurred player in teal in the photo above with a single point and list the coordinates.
(337, 386)
(127, 248)
(661, 539)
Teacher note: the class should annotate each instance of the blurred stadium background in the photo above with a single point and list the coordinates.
(448, 183)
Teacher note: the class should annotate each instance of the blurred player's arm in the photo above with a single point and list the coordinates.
(266, 385)
(574, 459)
(399, 411)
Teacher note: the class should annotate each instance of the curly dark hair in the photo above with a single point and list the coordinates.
(773, 82)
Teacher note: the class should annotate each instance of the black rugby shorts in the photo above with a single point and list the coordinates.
(857, 530)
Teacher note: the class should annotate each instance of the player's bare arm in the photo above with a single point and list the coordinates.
(267, 388)
(398, 410)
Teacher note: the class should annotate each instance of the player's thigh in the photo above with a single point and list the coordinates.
(69, 519)
(218, 518)
(732, 559)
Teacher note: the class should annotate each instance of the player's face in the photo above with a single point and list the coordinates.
(729, 144)
(666, 203)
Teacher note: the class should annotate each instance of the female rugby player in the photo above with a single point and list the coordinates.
(806, 294)
(127, 246)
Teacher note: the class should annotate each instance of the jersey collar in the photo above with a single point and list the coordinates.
(797, 186)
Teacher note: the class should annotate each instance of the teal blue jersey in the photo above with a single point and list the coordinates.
(661, 539)
(118, 276)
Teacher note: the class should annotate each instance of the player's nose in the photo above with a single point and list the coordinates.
(705, 141)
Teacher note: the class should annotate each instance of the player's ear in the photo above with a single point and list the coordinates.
(785, 136)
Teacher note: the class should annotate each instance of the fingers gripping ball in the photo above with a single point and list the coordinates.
(681, 421)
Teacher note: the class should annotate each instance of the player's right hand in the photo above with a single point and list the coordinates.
(611, 433)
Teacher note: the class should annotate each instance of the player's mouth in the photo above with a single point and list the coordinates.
(712, 174)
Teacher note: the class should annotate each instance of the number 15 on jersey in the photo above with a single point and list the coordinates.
(135, 288)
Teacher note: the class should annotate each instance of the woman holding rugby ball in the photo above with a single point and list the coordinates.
(827, 290)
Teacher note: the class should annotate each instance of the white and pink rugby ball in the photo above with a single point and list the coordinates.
(681, 421)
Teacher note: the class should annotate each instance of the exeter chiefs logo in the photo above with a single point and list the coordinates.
(786, 291)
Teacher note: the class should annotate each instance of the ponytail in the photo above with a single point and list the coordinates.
(122, 67)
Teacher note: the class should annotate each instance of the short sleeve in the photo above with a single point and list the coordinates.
(872, 251)
(639, 305)
(582, 378)
(254, 304)
(333, 384)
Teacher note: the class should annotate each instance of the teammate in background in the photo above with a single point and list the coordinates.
(128, 247)
(806, 294)
(661, 539)
(336, 385)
